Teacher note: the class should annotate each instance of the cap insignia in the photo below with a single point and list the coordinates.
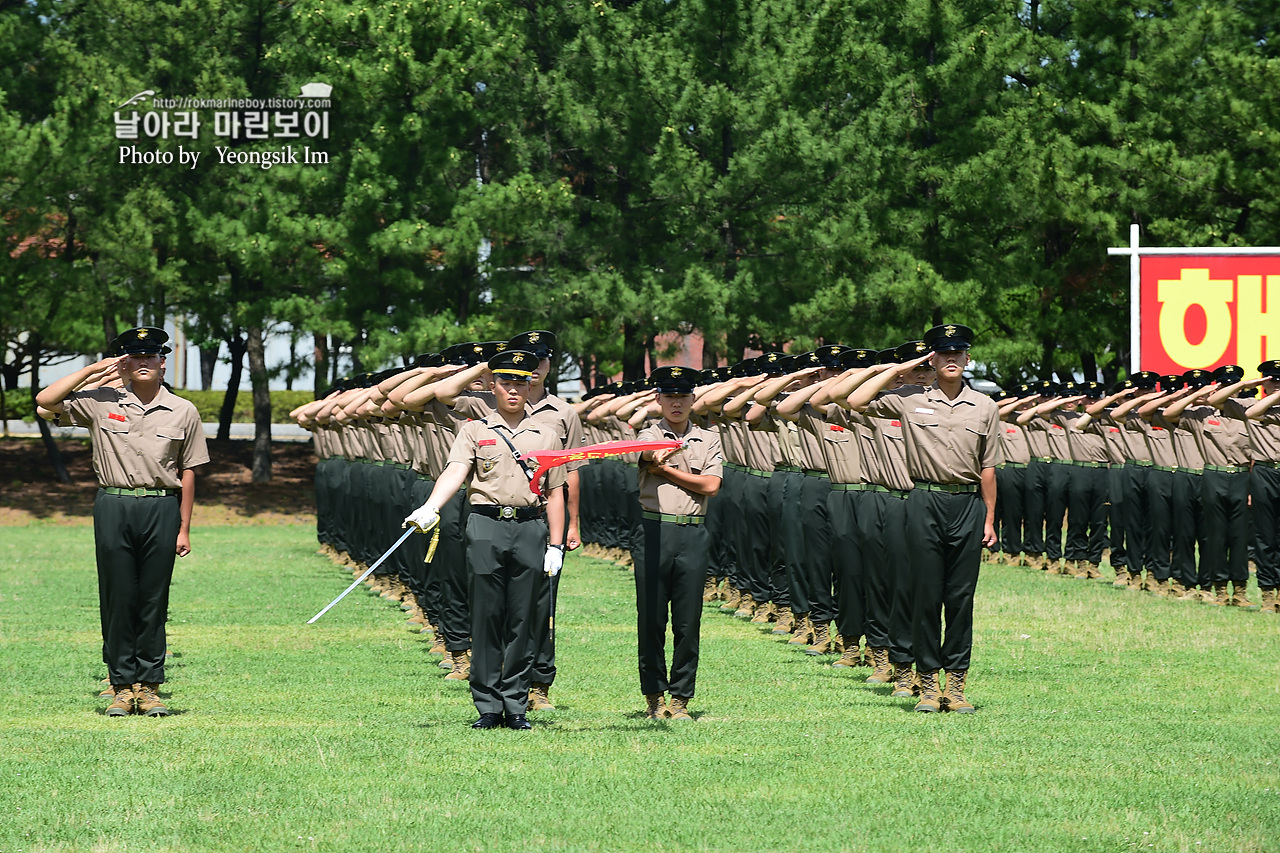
(141, 333)
(533, 337)
(675, 371)
(949, 331)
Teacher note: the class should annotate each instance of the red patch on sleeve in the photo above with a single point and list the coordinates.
(116, 416)
(895, 423)
(1157, 429)
(1010, 431)
(835, 428)
(1055, 426)
(485, 442)
(1115, 429)
(1215, 423)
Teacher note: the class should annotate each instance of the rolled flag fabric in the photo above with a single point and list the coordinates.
(548, 459)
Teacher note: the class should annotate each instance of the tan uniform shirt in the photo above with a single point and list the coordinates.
(947, 441)
(891, 450)
(1264, 432)
(1222, 441)
(1134, 442)
(494, 475)
(872, 464)
(1082, 446)
(1159, 440)
(839, 443)
(1014, 443)
(1185, 448)
(555, 412)
(1037, 439)
(700, 455)
(138, 446)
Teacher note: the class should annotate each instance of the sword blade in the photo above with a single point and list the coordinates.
(366, 574)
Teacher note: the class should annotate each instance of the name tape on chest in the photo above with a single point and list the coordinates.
(923, 411)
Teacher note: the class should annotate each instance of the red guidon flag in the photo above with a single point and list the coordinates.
(548, 459)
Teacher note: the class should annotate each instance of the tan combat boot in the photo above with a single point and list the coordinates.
(786, 621)
(746, 607)
(1189, 593)
(1238, 596)
(679, 708)
(461, 666)
(731, 599)
(803, 633)
(149, 703)
(883, 672)
(953, 698)
(655, 706)
(849, 659)
(1122, 578)
(437, 644)
(930, 693)
(1270, 603)
(446, 662)
(768, 613)
(709, 590)
(123, 702)
(821, 644)
(1221, 598)
(1160, 588)
(1091, 570)
(539, 697)
(1135, 581)
(905, 681)
(1176, 589)
(1053, 566)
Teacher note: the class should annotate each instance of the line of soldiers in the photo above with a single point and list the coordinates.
(1177, 474)
(859, 490)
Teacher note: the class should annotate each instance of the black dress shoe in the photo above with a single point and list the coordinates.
(488, 721)
(518, 722)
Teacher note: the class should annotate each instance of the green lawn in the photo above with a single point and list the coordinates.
(1107, 721)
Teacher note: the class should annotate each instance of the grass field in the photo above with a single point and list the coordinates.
(1107, 721)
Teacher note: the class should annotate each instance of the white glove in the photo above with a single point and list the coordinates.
(552, 561)
(424, 518)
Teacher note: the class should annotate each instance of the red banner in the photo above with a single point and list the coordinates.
(1204, 311)
(548, 459)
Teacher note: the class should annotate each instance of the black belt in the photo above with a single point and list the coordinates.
(952, 488)
(140, 493)
(508, 513)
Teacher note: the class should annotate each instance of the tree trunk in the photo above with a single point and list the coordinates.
(236, 346)
(261, 406)
(208, 361)
(46, 436)
(633, 352)
(321, 363)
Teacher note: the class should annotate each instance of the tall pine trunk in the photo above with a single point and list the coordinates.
(261, 406)
(236, 346)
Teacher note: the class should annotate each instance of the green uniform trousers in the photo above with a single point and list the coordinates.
(670, 572)
(1264, 486)
(134, 538)
(1224, 502)
(945, 532)
(505, 557)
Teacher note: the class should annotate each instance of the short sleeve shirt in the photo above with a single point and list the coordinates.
(947, 441)
(1264, 432)
(494, 475)
(700, 455)
(136, 445)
